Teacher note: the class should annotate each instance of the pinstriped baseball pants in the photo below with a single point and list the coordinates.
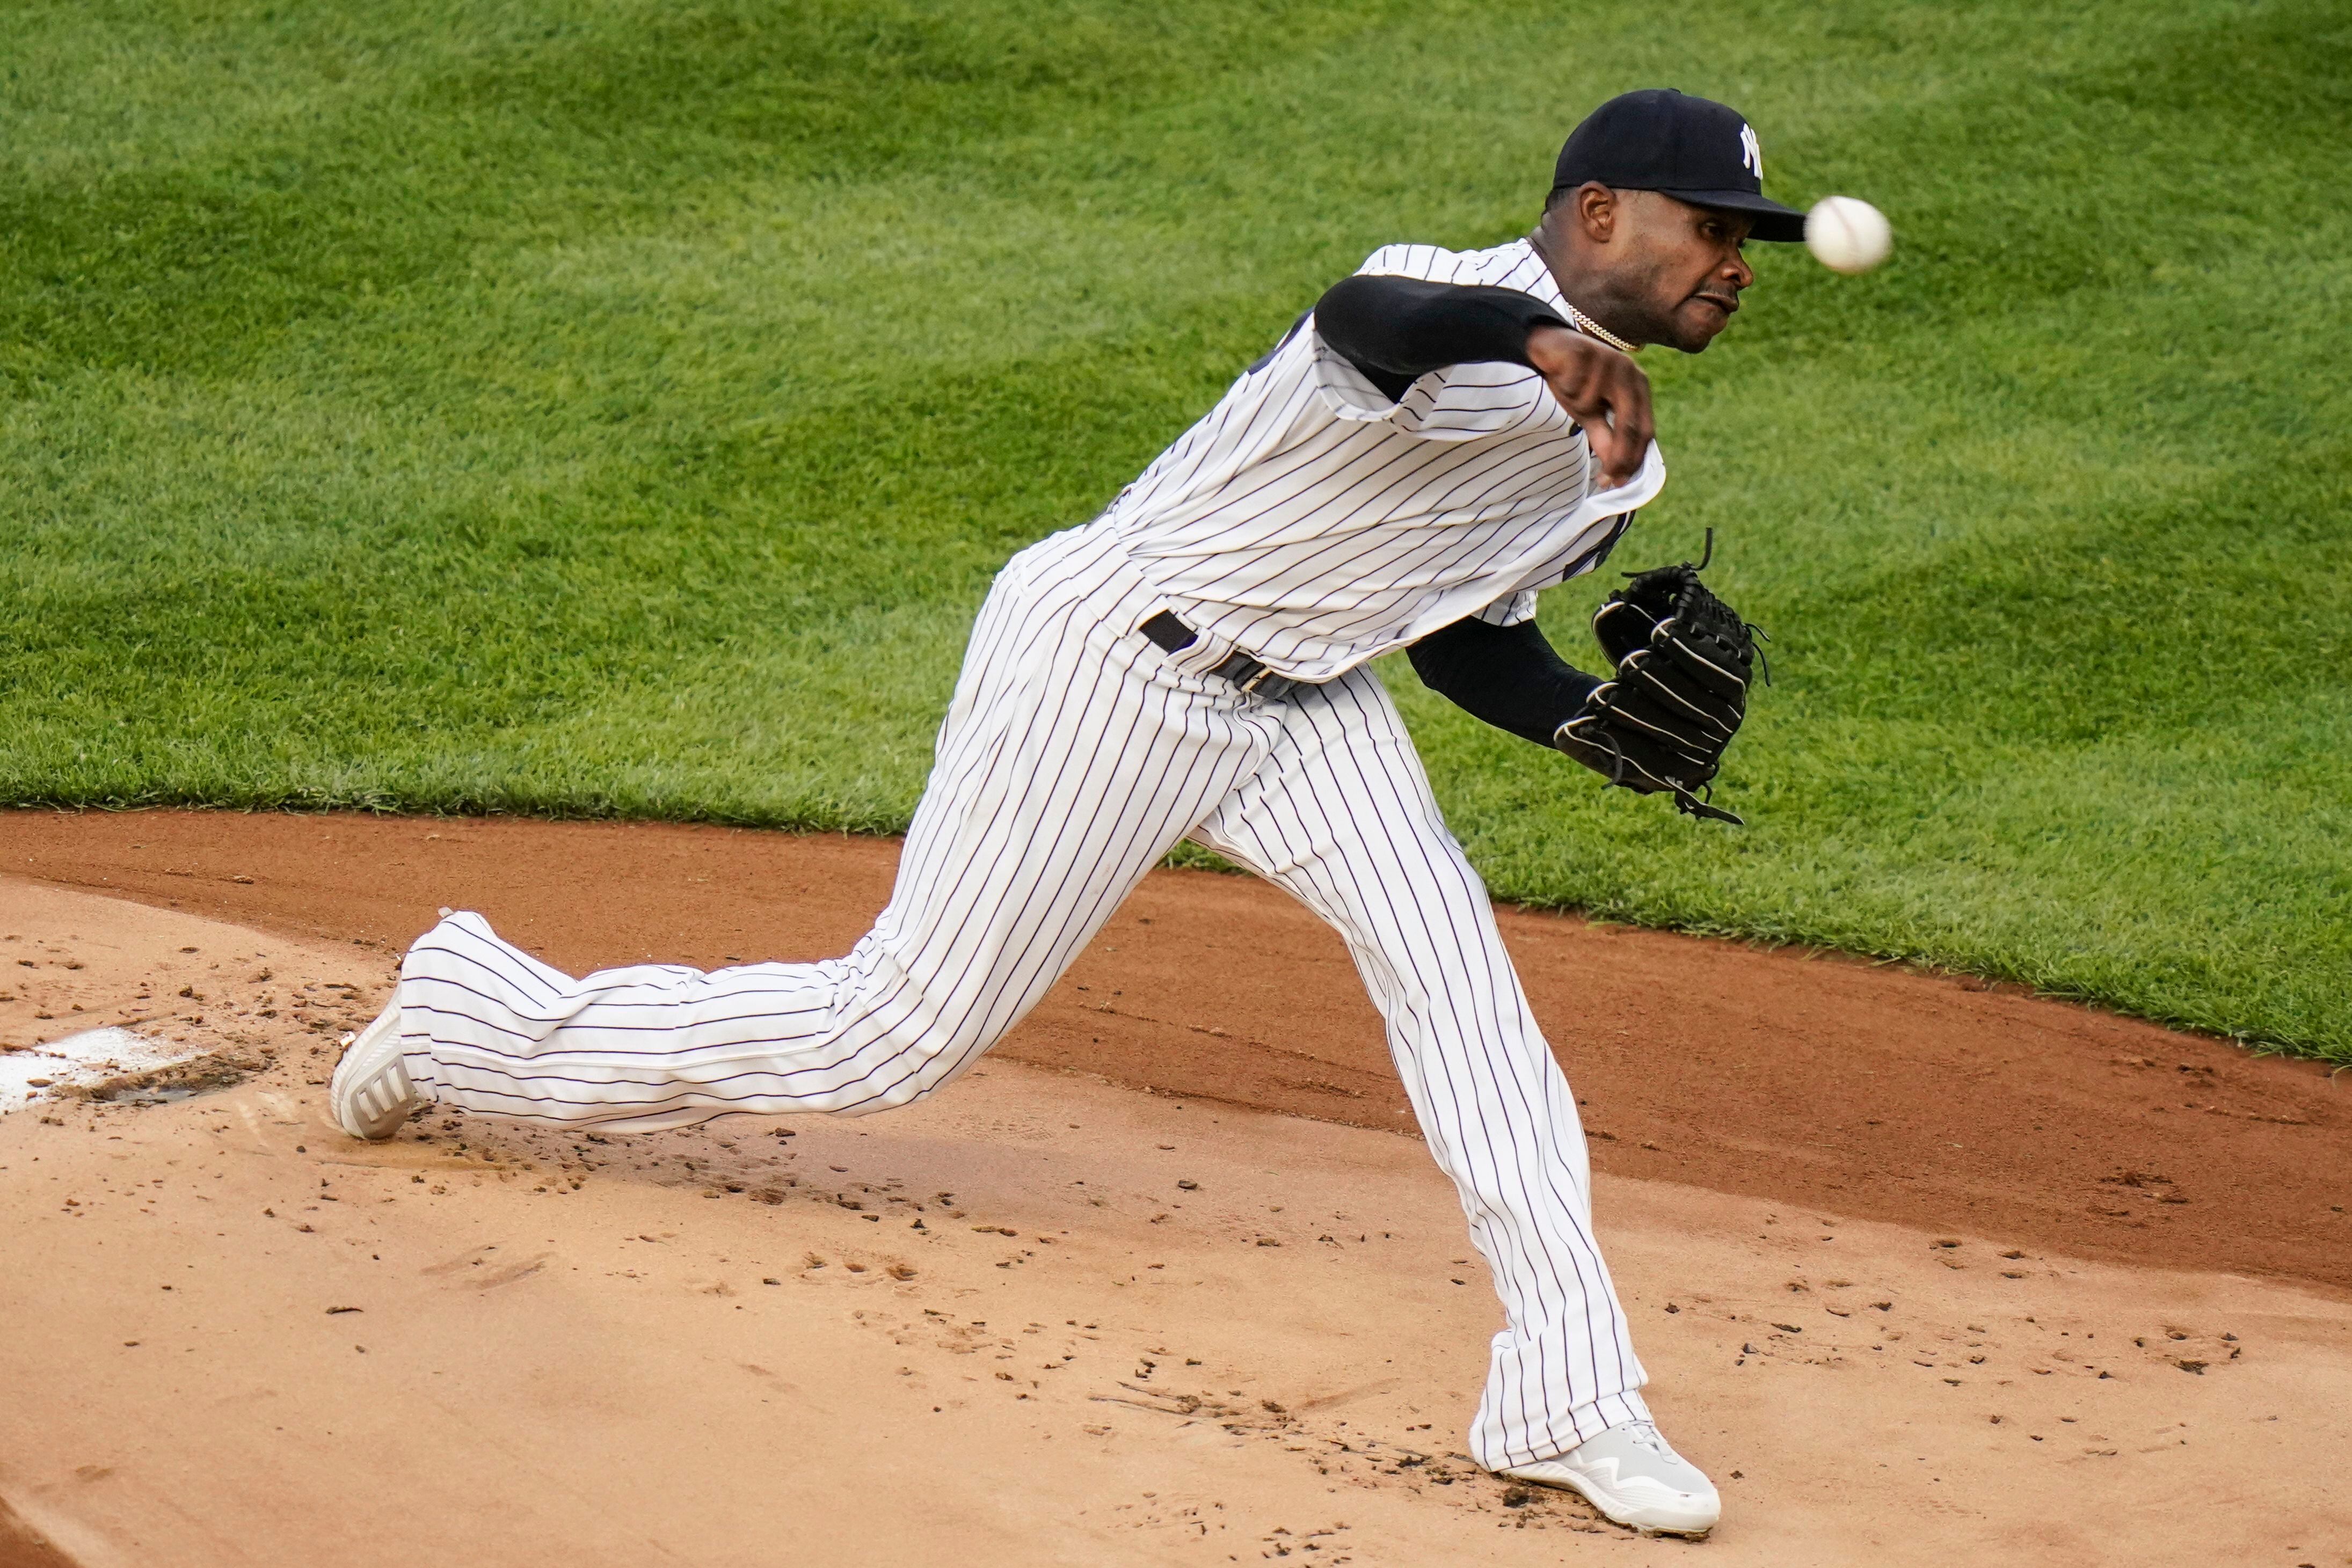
(1075, 755)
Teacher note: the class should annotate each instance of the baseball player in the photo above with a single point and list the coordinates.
(1440, 437)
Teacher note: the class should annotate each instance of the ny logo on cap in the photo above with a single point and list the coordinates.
(1752, 152)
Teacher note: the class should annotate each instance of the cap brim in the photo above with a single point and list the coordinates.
(1774, 222)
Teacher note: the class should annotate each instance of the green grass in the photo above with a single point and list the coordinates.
(619, 408)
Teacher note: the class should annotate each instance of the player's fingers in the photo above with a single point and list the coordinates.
(1608, 452)
(1633, 415)
(1627, 394)
(1617, 457)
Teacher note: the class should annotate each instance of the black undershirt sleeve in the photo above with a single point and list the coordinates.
(1508, 675)
(1395, 330)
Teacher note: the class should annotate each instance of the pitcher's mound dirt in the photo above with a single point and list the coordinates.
(1917, 1099)
(1038, 1321)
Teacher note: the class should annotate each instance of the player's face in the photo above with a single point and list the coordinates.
(1682, 267)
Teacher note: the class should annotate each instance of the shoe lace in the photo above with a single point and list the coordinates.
(1645, 1434)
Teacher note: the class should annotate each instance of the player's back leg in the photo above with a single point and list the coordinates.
(1074, 756)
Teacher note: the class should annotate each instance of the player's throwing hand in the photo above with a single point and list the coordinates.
(1603, 391)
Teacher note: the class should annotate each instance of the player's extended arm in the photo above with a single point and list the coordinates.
(1508, 675)
(1396, 330)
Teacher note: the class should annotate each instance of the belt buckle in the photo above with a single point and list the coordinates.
(1265, 682)
(1254, 677)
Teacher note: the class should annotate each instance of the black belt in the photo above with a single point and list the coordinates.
(1243, 671)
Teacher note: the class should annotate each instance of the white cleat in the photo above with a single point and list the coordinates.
(1633, 1477)
(370, 1095)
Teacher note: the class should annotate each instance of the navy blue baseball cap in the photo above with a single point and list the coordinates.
(1692, 149)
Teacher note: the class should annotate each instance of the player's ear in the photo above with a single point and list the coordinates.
(1596, 211)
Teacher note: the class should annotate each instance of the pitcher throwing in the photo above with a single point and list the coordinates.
(1442, 436)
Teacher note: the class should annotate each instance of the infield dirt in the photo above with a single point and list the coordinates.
(1923, 1272)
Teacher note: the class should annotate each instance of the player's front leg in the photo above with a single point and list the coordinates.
(1341, 816)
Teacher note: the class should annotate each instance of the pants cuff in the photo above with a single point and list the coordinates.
(1579, 1425)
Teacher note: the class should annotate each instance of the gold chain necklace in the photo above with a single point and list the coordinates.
(1591, 329)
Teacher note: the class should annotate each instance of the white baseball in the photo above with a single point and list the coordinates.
(1847, 234)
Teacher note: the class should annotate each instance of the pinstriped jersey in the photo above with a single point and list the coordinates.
(1316, 524)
